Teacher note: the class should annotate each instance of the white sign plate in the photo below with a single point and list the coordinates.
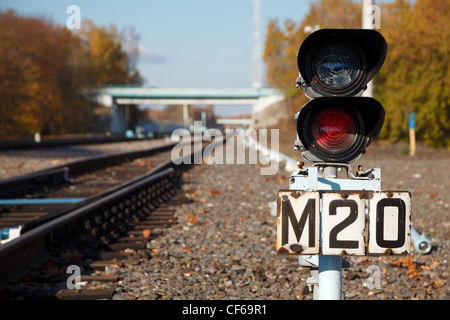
(298, 222)
(390, 223)
(335, 222)
(343, 224)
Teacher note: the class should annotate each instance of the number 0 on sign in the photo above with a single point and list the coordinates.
(389, 223)
(340, 227)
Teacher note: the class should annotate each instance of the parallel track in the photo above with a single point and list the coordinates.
(18, 144)
(122, 216)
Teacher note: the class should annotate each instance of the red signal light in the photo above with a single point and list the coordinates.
(338, 129)
(334, 129)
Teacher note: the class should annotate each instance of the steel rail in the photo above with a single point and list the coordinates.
(30, 249)
(58, 174)
(53, 175)
(58, 212)
(19, 144)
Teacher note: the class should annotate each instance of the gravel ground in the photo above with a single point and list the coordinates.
(223, 246)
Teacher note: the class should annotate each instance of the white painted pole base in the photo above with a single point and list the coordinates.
(330, 277)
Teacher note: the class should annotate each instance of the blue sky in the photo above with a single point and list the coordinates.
(185, 43)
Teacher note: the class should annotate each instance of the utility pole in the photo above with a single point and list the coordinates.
(256, 45)
(367, 24)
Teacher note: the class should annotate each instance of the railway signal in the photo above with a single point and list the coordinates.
(335, 67)
(322, 214)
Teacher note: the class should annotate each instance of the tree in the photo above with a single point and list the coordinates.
(45, 67)
(282, 44)
(107, 56)
(414, 77)
(32, 69)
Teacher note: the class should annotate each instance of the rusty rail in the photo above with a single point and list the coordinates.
(120, 206)
(31, 249)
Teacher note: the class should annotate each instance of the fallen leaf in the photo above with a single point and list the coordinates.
(146, 232)
(407, 262)
(213, 191)
(439, 283)
(192, 218)
(98, 287)
(434, 263)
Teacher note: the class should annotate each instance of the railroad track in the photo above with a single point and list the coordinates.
(107, 221)
(31, 199)
(17, 144)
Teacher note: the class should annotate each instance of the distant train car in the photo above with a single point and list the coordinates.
(152, 130)
(147, 130)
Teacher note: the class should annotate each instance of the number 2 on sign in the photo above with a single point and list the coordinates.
(343, 222)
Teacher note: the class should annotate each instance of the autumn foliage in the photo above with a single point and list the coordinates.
(414, 77)
(44, 68)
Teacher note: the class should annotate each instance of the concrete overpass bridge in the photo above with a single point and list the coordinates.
(116, 97)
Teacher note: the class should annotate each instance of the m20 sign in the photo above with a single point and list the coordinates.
(336, 223)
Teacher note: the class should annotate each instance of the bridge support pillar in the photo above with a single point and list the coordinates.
(186, 118)
(118, 118)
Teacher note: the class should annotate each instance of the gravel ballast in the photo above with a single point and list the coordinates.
(224, 244)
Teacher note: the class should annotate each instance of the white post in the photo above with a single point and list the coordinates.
(330, 277)
(366, 24)
(186, 119)
(256, 45)
(330, 267)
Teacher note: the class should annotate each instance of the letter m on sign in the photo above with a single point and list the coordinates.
(297, 222)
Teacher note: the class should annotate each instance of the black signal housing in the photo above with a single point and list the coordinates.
(339, 62)
(335, 66)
